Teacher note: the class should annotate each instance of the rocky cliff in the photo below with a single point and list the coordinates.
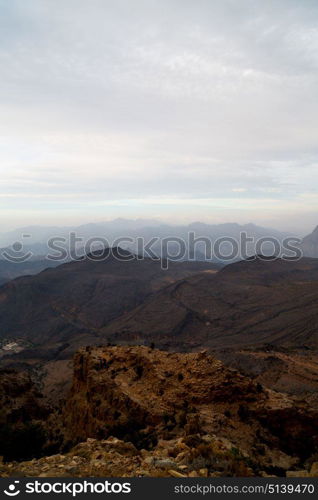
(144, 396)
(137, 411)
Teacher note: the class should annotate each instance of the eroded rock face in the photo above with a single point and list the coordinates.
(144, 395)
(19, 398)
(22, 413)
(136, 411)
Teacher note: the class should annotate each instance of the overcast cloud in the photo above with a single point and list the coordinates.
(177, 109)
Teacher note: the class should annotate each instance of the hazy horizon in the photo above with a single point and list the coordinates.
(173, 110)
(144, 222)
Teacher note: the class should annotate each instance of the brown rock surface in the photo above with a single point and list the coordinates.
(295, 373)
(116, 458)
(145, 395)
(136, 411)
(19, 398)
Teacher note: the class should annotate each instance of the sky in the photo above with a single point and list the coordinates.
(179, 110)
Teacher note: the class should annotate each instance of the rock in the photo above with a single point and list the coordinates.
(175, 473)
(164, 463)
(173, 404)
(181, 457)
(149, 460)
(71, 470)
(297, 473)
(144, 453)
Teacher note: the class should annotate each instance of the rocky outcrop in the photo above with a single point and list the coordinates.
(19, 398)
(144, 395)
(22, 413)
(135, 387)
(183, 457)
(137, 411)
(309, 244)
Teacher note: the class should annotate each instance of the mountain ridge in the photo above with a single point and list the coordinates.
(246, 303)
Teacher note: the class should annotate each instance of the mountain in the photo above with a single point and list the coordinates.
(11, 270)
(82, 296)
(309, 244)
(252, 302)
(41, 234)
(180, 412)
(135, 235)
(119, 298)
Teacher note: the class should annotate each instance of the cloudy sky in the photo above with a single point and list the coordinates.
(178, 109)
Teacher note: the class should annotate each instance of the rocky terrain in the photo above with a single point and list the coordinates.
(80, 297)
(189, 456)
(22, 412)
(283, 370)
(18, 396)
(141, 411)
(232, 392)
(62, 309)
(187, 307)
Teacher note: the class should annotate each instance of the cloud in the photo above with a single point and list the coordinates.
(151, 100)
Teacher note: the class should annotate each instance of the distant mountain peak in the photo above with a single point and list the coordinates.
(312, 237)
(315, 231)
(116, 252)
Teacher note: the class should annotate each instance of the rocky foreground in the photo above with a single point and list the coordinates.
(192, 456)
(137, 411)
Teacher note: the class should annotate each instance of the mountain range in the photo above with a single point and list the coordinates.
(34, 240)
(148, 337)
(129, 233)
(81, 297)
(249, 303)
(117, 297)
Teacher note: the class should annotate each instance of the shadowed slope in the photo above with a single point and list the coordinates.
(247, 303)
(82, 296)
